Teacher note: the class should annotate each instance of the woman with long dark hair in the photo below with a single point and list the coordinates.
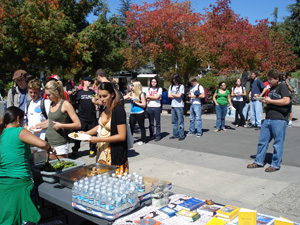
(154, 107)
(112, 144)
(15, 182)
(221, 99)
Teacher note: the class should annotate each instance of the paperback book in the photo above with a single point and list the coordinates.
(188, 215)
(209, 209)
(191, 204)
(228, 212)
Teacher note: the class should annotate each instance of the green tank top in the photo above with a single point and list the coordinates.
(14, 154)
(57, 137)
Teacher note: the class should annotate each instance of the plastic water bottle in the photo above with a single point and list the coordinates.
(117, 198)
(110, 203)
(85, 195)
(122, 195)
(132, 196)
(80, 193)
(129, 177)
(75, 192)
(97, 199)
(91, 196)
(141, 185)
(103, 199)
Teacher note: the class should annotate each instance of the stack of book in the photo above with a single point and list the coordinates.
(227, 213)
(188, 215)
(209, 210)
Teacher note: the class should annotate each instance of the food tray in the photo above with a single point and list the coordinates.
(50, 177)
(68, 178)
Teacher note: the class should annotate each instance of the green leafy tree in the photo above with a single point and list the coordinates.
(35, 35)
(292, 25)
(99, 45)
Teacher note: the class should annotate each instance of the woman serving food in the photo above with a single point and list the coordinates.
(15, 182)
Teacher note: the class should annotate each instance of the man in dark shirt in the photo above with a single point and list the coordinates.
(274, 126)
(257, 86)
(86, 113)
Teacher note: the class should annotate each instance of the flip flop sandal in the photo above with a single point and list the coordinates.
(271, 169)
(253, 165)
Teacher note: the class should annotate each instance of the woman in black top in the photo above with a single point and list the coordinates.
(112, 144)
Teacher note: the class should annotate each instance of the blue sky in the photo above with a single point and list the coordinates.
(252, 9)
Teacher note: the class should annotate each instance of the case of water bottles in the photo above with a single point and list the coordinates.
(108, 197)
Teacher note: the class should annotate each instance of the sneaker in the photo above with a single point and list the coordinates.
(257, 128)
(140, 143)
(92, 154)
(189, 134)
(199, 135)
(173, 137)
(181, 139)
(157, 139)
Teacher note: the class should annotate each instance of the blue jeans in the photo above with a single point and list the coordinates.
(256, 113)
(221, 111)
(154, 113)
(195, 111)
(178, 120)
(271, 129)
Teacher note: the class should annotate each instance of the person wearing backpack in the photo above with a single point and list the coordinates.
(196, 94)
(17, 95)
(238, 92)
(154, 107)
(36, 111)
(138, 109)
(257, 87)
(176, 94)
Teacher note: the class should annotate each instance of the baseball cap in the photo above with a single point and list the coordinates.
(87, 78)
(54, 76)
(18, 74)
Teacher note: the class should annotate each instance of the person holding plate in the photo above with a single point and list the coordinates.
(61, 118)
(36, 111)
(112, 143)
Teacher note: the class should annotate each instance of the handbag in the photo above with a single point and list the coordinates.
(129, 137)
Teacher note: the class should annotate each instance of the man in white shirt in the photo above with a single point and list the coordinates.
(36, 111)
(196, 93)
(176, 93)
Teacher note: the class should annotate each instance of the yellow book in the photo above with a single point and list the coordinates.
(228, 212)
(216, 221)
(247, 216)
(282, 221)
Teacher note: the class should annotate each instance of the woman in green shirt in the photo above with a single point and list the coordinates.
(15, 183)
(221, 99)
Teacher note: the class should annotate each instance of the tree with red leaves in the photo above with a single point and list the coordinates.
(165, 32)
(232, 43)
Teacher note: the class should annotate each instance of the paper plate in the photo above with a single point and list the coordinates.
(35, 130)
(80, 137)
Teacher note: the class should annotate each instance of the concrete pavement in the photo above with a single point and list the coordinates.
(224, 178)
